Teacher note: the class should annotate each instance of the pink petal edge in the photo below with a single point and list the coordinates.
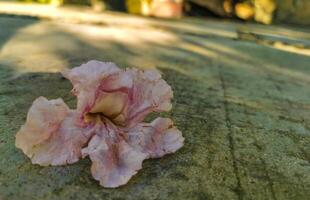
(125, 96)
(158, 138)
(50, 135)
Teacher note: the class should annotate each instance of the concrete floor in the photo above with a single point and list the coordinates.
(242, 101)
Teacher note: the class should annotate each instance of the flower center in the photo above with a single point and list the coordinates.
(111, 106)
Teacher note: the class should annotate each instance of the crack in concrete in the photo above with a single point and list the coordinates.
(238, 190)
(269, 180)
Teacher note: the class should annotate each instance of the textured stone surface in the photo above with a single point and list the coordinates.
(242, 105)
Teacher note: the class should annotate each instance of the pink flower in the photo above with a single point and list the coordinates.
(107, 124)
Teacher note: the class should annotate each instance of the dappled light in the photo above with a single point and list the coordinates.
(292, 49)
(122, 34)
(240, 97)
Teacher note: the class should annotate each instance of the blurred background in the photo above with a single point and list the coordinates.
(262, 11)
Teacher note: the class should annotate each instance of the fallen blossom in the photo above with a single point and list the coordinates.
(107, 124)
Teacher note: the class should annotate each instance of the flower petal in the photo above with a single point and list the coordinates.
(156, 139)
(86, 79)
(112, 103)
(124, 96)
(150, 93)
(114, 162)
(50, 135)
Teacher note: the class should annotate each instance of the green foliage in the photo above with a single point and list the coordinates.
(111, 4)
(59, 2)
(37, 1)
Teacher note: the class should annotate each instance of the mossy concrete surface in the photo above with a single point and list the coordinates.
(242, 103)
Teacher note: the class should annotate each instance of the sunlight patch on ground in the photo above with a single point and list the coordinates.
(292, 49)
(22, 52)
(120, 34)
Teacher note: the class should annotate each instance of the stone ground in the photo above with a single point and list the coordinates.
(242, 101)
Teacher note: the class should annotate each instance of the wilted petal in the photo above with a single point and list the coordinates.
(156, 139)
(50, 135)
(114, 162)
(86, 79)
(150, 93)
(112, 103)
(124, 96)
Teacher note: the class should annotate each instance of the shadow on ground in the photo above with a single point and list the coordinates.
(242, 107)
